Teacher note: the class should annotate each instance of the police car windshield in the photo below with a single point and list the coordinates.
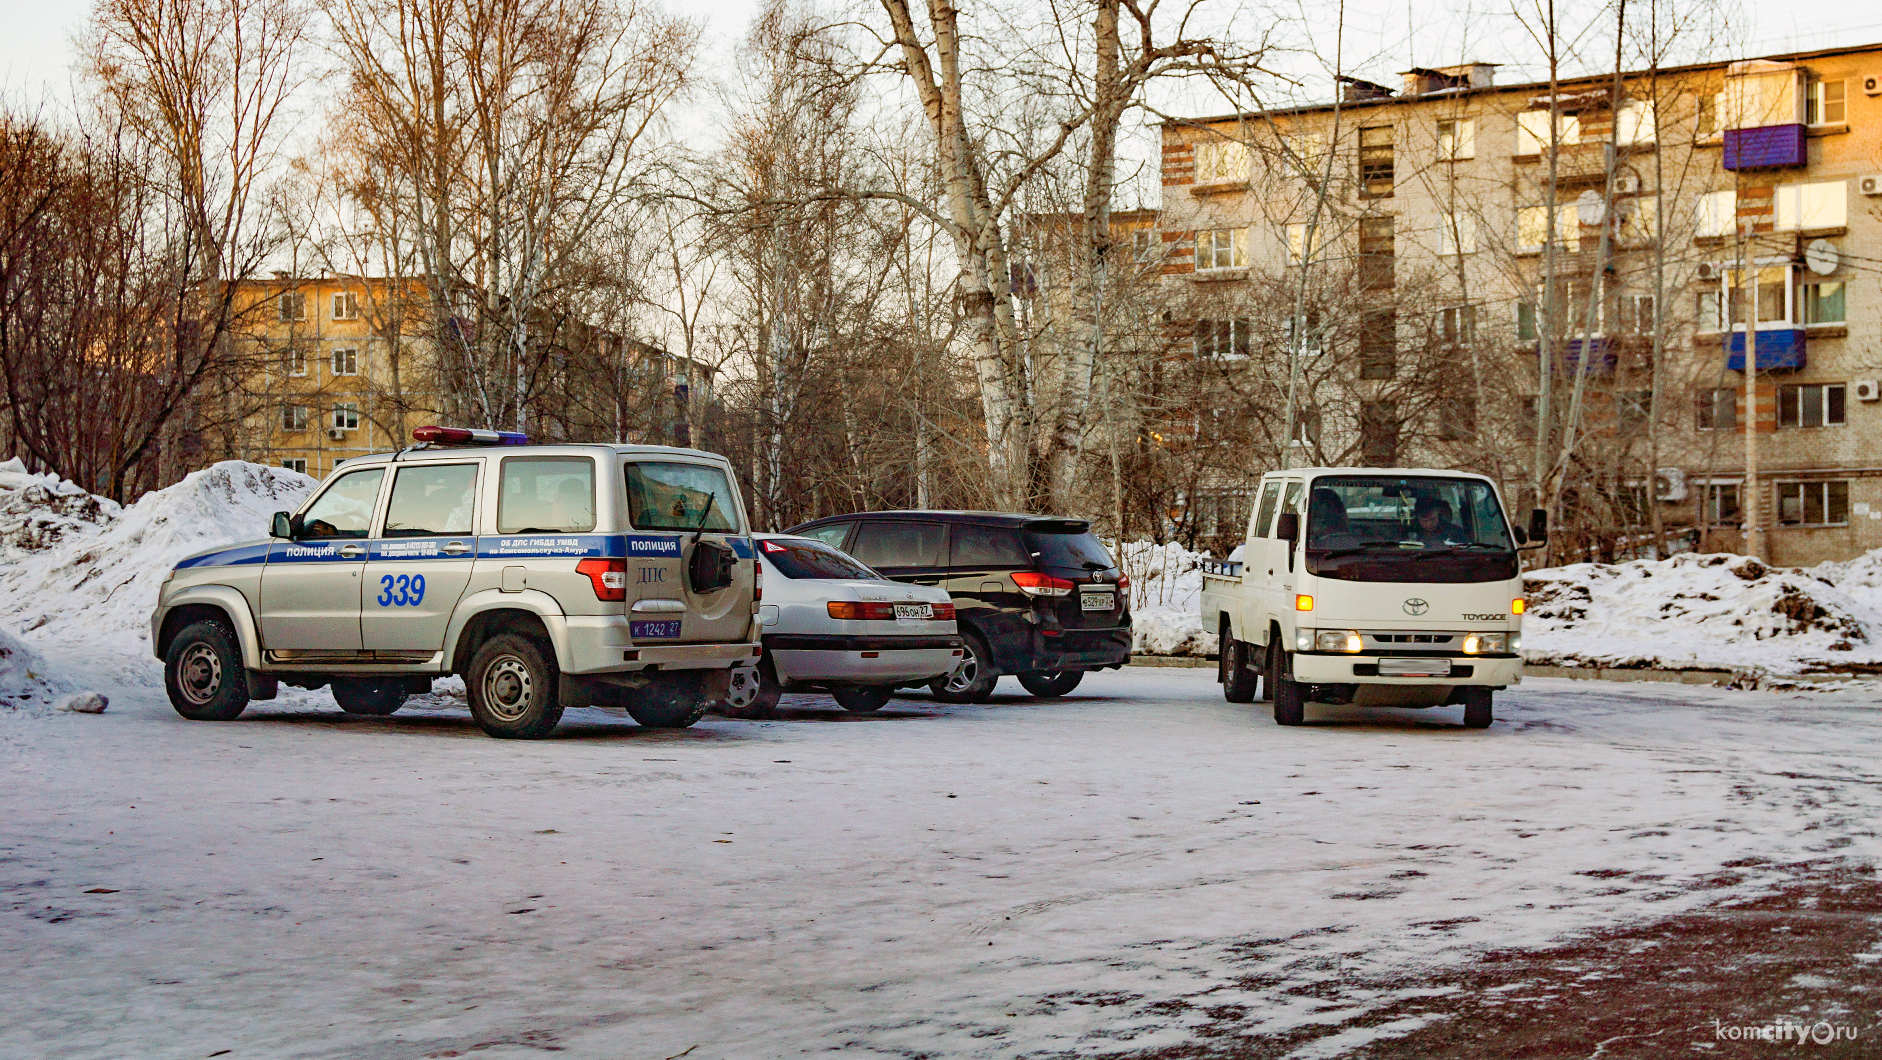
(801, 559)
(675, 496)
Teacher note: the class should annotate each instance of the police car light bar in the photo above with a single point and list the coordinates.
(468, 436)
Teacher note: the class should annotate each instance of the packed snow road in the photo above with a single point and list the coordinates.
(1139, 869)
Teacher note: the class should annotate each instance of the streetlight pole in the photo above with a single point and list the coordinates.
(1754, 516)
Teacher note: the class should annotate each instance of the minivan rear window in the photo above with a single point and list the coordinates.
(887, 545)
(1079, 551)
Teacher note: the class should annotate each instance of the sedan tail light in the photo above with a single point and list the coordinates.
(1032, 583)
(944, 612)
(856, 610)
(609, 577)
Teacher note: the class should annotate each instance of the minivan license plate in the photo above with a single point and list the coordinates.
(1414, 667)
(1096, 601)
(913, 612)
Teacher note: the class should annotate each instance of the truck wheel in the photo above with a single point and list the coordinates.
(862, 699)
(675, 703)
(203, 673)
(973, 680)
(1477, 708)
(373, 696)
(511, 686)
(1050, 683)
(1285, 691)
(1239, 683)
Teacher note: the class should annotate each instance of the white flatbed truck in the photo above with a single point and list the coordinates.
(1375, 586)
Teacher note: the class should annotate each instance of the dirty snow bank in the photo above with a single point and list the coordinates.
(27, 681)
(1706, 611)
(1166, 599)
(84, 583)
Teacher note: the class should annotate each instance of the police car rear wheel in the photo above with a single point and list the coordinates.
(374, 697)
(511, 687)
(202, 672)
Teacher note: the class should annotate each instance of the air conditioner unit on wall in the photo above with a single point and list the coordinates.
(1669, 484)
(1868, 390)
(338, 434)
(1870, 185)
(1708, 270)
(1872, 86)
(1626, 184)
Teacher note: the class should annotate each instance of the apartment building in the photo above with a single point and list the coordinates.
(1620, 232)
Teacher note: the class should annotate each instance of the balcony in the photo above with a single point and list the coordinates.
(1778, 349)
(1599, 354)
(1768, 147)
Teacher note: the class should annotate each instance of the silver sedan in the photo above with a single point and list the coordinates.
(830, 622)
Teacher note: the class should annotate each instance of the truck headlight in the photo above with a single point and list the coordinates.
(1339, 640)
(1482, 643)
(1303, 640)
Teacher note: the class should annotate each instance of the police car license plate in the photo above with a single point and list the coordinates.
(913, 612)
(1097, 601)
(1414, 667)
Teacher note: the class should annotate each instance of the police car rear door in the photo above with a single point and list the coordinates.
(421, 560)
(677, 507)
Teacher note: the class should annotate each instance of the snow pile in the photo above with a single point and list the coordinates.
(1166, 599)
(98, 584)
(26, 680)
(1705, 611)
(38, 511)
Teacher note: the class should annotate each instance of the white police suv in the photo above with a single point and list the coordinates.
(549, 576)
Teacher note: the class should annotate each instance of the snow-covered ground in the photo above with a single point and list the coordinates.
(1100, 874)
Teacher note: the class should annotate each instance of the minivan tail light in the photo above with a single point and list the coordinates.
(608, 576)
(1032, 583)
(1123, 581)
(944, 612)
(860, 611)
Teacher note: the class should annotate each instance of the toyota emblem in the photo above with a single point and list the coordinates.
(1415, 606)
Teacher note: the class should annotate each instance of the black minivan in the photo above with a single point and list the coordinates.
(1036, 596)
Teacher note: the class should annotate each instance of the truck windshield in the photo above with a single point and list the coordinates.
(1407, 529)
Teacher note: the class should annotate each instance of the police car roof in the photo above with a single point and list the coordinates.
(537, 447)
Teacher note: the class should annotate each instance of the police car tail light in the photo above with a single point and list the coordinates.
(609, 577)
(468, 436)
(856, 610)
(944, 612)
(1033, 583)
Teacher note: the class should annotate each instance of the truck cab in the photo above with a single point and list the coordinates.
(548, 576)
(1375, 586)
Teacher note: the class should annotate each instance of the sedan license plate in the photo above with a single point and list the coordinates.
(1097, 601)
(913, 612)
(1414, 667)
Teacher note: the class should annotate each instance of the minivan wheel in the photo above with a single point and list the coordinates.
(511, 686)
(203, 673)
(973, 680)
(373, 696)
(1050, 683)
(862, 699)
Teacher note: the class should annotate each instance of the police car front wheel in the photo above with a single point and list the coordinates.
(202, 672)
(512, 688)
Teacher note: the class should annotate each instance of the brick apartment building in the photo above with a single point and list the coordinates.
(1460, 219)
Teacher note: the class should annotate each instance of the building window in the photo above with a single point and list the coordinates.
(1811, 405)
(1721, 503)
(346, 416)
(1813, 503)
(1221, 339)
(1219, 513)
(1457, 139)
(345, 306)
(295, 463)
(1221, 248)
(1457, 234)
(1457, 414)
(346, 362)
(1633, 123)
(1221, 162)
(1532, 228)
(292, 306)
(1457, 325)
(1378, 433)
(293, 417)
(1716, 216)
(1636, 314)
(1828, 103)
(1803, 207)
(296, 361)
(1532, 131)
(1297, 243)
(1375, 162)
(1773, 294)
(1637, 220)
(1307, 425)
(1378, 344)
(1823, 303)
(1144, 245)
(1377, 254)
(1718, 409)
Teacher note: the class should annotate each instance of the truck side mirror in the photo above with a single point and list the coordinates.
(1538, 524)
(1287, 527)
(281, 526)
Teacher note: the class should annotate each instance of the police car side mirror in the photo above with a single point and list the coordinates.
(281, 526)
